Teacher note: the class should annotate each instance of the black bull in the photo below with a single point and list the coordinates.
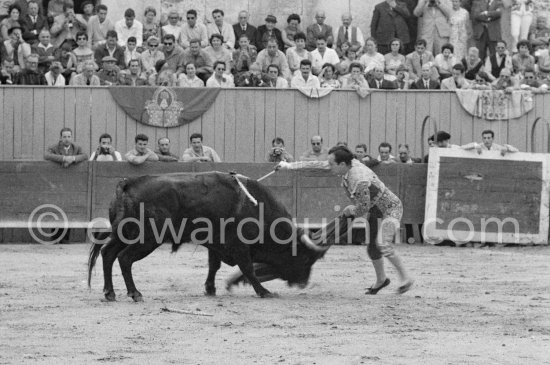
(210, 209)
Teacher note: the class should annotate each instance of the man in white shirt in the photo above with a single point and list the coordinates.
(193, 30)
(272, 56)
(98, 26)
(304, 78)
(129, 27)
(173, 27)
(198, 152)
(323, 55)
(457, 81)
(105, 151)
(488, 144)
(223, 28)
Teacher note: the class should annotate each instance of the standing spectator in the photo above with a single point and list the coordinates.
(405, 155)
(110, 48)
(243, 27)
(362, 156)
(173, 27)
(319, 29)
(220, 78)
(98, 27)
(151, 56)
(163, 151)
(33, 21)
(445, 61)
(268, 31)
(434, 27)
(278, 153)
(66, 26)
(457, 81)
(485, 17)
(244, 56)
(523, 59)
(189, 77)
(217, 52)
(141, 153)
(293, 27)
(425, 82)
(498, 61)
(521, 18)
(133, 76)
(105, 151)
(274, 78)
(54, 77)
(323, 55)
(416, 59)
(540, 30)
(371, 58)
(193, 30)
(151, 27)
(30, 75)
(488, 144)
(472, 64)
(45, 51)
(461, 29)
(317, 152)
(129, 27)
(87, 77)
(173, 53)
(378, 81)
(14, 19)
(199, 152)
(384, 153)
(86, 13)
(199, 58)
(65, 152)
(271, 55)
(304, 78)
(297, 53)
(348, 33)
(389, 22)
(223, 28)
(15, 48)
(394, 58)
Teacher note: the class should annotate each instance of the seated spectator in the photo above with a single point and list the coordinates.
(274, 78)
(54, 77)
(82, 53)
(87, 77)
(219, 78)
(255, 78)
(531, 82)
(66, 26)
(223, 28)
(505, 81)
(7, 72)
(304, 79)
(163, 76)
(173, 53)
(327, 77)
(189, 78)
(293, 27)
(199, 58)
(402, 78)
(14, 20)
(416, 59)
(151, 28)
(323, 55)
(445, 61)
(317, 152)
(378, 81)
(109, 73)
(278, 153)
(267, 32)
(87, 11)
(244, 56)
(163, 151)
(297, 53)
(105, 151)
(198, 152)
(425, 81)
(151, 56)
(133, 77)
(193, 30)
(349, 56)
(129, 27)
(523, 59)
(15, 48)
(394, 58)
(141, 153)
(405, 155)
(317, 29)
(349, 33)
(371, 58)
(68, 61)
(244, 28)
(110, 48)
(540, 30)
(457, 81)
(271, 55)
(496, 62)
(45, 51)
(65, 152)
(98, 27)
(30, 75)
(384, 153)
(33, 21)
(173, 27)
(131, 53)
(488, 144)
(363, 157)
(217, 52)
(542, 57)
(355, 79)
(481, 82)
(472, 63)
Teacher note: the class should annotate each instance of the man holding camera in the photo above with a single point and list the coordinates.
(277, 153)
(105, 151)
(435, 28)
(66, 25)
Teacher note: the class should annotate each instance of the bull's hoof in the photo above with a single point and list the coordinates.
(209, 290)
(269, 294)
(136, 296)
(110, 296)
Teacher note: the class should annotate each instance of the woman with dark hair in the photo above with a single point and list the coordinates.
(327, 77)
(292, 28)
(81, 53)
(296, 54)
(445, 61)
(150, 26)
(349, 55)
(217, 52)
(14, 19)
(394, 58)
(481, 82)
(523, 59)
(220, 78)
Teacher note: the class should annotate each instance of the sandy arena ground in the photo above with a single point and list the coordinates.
(469, 306)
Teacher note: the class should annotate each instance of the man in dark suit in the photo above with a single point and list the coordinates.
(485, 17)
(425, 82)
(319, 29)
(378, 81)
(33, 21)
(242, 27)
(267, 31)
(389, 22)
(110, 48)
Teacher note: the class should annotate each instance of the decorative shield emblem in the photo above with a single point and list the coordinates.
(164, 109)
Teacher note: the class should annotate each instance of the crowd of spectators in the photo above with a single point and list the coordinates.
(424, 44)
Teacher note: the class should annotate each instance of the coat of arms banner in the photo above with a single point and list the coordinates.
(164, 107)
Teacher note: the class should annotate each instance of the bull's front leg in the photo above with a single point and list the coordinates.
(214, 264)
(247, 269)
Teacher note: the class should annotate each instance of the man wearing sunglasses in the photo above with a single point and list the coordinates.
(193, 30)
(317, 152)
(172, 52)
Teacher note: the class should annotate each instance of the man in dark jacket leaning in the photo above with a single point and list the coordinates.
(65, 152)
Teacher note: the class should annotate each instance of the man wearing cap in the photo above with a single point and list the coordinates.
(129, 27)
(272, 55)
(108, 75)
(266, 32)
(98, 27)
(30, 75)
(54, 76)
(348, 33)
(319, 29)
(223, 28)
(243, 27)
(110, 48)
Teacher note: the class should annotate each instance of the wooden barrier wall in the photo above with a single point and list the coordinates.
(242, 122)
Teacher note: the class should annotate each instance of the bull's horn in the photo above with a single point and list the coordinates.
(309, 243)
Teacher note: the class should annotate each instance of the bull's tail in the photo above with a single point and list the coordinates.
(95, 250)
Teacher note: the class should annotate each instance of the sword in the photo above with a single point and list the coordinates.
(266, 175)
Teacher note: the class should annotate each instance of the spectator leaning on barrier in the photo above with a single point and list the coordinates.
(198, 152)
(65, 152)
(405, 155)
(140, 153)
(278, 153)
(304, 78)
(488, 144)
(457, 81)
(363, 157)
(105, 151)
(30, 75)
(317, 152)
(54, 77)
(163, 151)
(384, 153)
(274, 78)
